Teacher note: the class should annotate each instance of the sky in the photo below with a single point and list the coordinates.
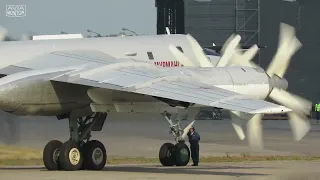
(76, 16)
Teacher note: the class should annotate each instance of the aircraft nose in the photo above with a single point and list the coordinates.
(8, 98)
(278, 82)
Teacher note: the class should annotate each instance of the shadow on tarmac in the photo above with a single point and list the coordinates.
(200, 170)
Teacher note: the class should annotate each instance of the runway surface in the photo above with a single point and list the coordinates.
(142, 135)
(223, 171)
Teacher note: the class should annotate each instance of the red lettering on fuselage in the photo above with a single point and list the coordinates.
(167, 63)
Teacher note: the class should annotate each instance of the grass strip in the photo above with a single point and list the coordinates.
(18, 156)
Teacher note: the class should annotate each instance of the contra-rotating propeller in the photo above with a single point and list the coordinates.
(4, 36)
(229, 52)
(287, 46)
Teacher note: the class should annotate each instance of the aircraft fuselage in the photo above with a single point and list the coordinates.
(17, 56)
(56, 98)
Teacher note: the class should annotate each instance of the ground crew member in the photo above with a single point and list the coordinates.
(317, 110)
(194, 139)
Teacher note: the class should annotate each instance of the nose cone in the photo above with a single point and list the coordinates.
(8, 98)
(281, 83)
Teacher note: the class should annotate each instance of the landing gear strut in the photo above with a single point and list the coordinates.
(79, 152)
(176, 154)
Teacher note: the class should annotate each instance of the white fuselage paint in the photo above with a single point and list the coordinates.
(23, 55)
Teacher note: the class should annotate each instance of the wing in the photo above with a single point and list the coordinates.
(181, 84)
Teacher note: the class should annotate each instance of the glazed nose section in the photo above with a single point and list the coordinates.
(8, 98)
(280, 83)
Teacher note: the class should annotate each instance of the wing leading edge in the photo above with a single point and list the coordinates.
(147, 79)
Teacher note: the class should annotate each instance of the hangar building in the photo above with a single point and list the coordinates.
(257, 22)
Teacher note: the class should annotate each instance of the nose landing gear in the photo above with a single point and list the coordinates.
(177, 154)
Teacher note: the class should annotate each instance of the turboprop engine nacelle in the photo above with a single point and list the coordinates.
(253, 82)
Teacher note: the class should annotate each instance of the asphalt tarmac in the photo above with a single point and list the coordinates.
(223, 171)
(142, 135)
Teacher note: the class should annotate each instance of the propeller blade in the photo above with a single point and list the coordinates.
(226, 44)
(300, 125)
(254, 132)
(288, 45)
(249, 54)
(298, 121)
(244, 59)
(238, 127)
(294, 102)
(229, 51)
(180, 56)
(238, 122)
(3, 33)
(285, 32)
(201, 57)
(254, 128)
(186, 130)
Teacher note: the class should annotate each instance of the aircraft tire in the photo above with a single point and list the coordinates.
(50, 155)
(95, 155)
(70, 157)
(182, 154)
(166, 154)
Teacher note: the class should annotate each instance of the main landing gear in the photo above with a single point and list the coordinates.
(176, 154)
(79, 152)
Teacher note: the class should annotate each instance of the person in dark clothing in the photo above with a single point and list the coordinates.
(317, 110)
(194, 139)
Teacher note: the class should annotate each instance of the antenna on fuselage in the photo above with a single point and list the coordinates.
(168, 31)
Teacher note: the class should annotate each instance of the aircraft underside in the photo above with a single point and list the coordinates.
(75, 103)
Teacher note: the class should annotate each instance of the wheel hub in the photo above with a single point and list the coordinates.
(55, 155)
(168, 153)
(97, 156)
(184, 154)
(74, 156)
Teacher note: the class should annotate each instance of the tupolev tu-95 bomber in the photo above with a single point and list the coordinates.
(83, 80)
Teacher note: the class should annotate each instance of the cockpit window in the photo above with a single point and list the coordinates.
(180, 48)
(150, 55)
